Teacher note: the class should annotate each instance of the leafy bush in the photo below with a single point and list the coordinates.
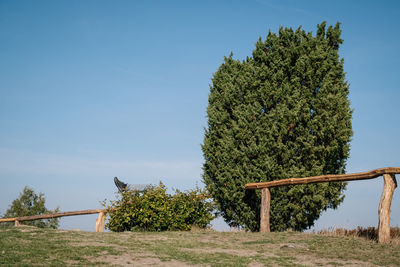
(30, 204)
(156, 210)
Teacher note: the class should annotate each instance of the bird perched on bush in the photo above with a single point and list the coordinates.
(120, 185)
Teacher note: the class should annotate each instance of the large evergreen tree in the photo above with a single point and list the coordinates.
(282, 113)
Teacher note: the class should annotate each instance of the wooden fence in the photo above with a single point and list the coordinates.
(390, 184)
(99, 222)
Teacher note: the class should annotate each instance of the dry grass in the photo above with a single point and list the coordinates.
(33, 246)
(369, 233)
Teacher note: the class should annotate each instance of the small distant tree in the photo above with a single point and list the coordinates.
(30, 204)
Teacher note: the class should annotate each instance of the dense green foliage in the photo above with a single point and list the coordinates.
(29, 204)
(282, 113)
(156, 210)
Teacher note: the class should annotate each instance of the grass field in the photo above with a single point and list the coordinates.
(33, 246)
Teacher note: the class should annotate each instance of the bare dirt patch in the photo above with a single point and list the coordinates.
(135, 260)
(310, 260)
(241, 252)
(293, 246)
(150, 238)
(27, 228)
(93, 244)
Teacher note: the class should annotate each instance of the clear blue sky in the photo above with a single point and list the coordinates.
(90, 90)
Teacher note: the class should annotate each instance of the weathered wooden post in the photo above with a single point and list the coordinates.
(264, 210)
(389, 185)
(100, 221)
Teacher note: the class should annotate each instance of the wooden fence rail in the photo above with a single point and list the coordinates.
(390, 184)
(99, 222)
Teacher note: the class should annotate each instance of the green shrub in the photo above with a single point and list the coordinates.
(156, 210)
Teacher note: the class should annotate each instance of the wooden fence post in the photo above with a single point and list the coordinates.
(390, 184)
(264, 211)
(100, 221)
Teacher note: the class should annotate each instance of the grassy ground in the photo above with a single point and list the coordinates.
(32, 246)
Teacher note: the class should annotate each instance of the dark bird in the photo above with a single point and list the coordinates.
(120, 185)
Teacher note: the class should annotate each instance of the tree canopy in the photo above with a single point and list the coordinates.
(283, 112)
(29, 204)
